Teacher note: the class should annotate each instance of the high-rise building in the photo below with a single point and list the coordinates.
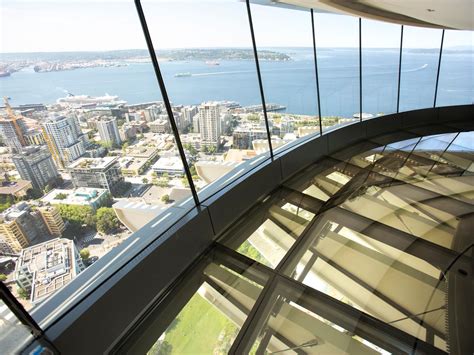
(103, 173)
(64, 138)
(209, 124)
(45, 268)
(12, 129)
(108, 131)
(36, 165)
(188, 113)
(20, 227)
(53, 220)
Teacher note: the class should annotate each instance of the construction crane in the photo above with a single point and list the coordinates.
(53, 149)
(14, 119)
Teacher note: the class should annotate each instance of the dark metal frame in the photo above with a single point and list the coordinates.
(25, 318)
(360, 69)
(439, 68)
(400, 69)
(164, 94)
(259, 76)
(316, 72)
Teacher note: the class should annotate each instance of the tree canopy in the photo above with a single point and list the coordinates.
(107, 220)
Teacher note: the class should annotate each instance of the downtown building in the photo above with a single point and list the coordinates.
(64, 138)
(108, 131)
(21, 226)
(209, 120)
(100, 173)
(12, 132)
(35, 164)
(43, 269)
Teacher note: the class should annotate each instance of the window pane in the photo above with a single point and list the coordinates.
(211, 79)
(337, 41)
(419, 67)
(289, 82)
(456, 77)
(380, 62)
(204, 314)
(77, 142)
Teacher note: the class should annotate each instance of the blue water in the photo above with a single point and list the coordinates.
(290, 83)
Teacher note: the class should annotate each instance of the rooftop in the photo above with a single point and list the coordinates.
(51, 264)
(82, 196)
(93, 163)
(12, 187)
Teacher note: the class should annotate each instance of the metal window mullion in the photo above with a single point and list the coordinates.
(166, 101)
(24, 317)
(259, 75)
(360, 69)
(400, 70)
(316, 73)
(439, 67)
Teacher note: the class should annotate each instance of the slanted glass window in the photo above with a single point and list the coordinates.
(380, 65)
(337, 42)
(420, 58)
(210, 75)
(456, 76)
(289, 81)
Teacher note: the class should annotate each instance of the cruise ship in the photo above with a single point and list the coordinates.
(82, 100)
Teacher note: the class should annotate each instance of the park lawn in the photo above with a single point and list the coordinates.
(200, 329)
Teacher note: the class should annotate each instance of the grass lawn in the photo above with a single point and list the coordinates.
(201, 329)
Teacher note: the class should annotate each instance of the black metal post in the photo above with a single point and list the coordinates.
(316, 72)
(166, 100)
(360, 69)
(400, 70)
(439, 67)
(24, 317)
(259, 75)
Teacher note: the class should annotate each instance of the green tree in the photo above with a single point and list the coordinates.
(145, 180)
(107, 220)
(23, 293)
(165, 198)
(85, 254)
(3, 277)
(34, 194)
(60, 196)
(78, 215)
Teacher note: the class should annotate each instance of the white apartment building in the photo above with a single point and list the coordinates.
(209, 123)
(65, 139)
(108, 131)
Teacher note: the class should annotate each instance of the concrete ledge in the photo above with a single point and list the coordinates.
(228, 205)
(303, 155)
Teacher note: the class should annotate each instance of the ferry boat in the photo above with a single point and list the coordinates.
(212, 62)
(182, 75)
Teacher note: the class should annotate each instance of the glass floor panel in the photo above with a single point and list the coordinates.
(367, 251)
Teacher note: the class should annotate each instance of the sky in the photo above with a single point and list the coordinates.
(53, 26)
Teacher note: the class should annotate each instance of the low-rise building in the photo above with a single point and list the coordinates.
(169, 165)
(81, 196)
(45, 268)
(17, 188)
(160, 126)
(137, 160)
(100, 173)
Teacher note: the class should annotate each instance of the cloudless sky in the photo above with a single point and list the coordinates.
(47, 26)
